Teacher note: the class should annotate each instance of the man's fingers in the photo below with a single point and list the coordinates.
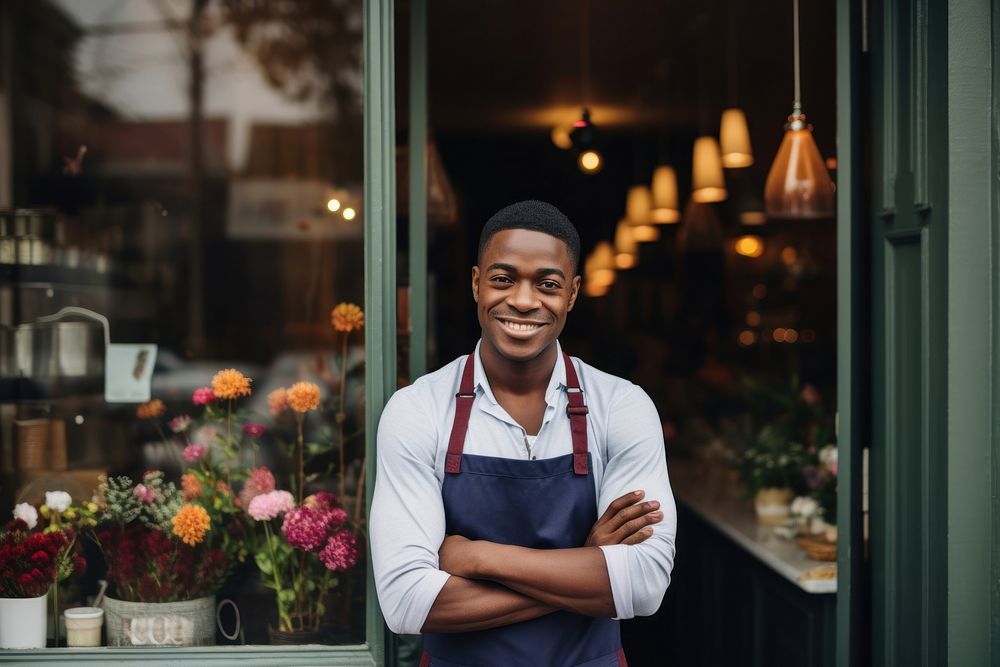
(639, 537)
(631, 513)
(636, 525)
(619, 504)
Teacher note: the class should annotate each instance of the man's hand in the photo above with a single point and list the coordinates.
(626, 521)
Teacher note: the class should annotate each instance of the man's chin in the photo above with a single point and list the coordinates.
(515, 350)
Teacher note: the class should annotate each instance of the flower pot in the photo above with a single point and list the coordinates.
(296, 637)
(23, 622)
(773, 505)
(156, 624)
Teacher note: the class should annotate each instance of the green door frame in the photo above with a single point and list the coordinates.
(380, 380)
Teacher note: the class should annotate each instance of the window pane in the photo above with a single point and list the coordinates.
(188, 176)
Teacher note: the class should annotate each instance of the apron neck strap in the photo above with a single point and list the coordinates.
(576, 410)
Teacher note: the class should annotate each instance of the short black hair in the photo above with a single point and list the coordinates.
(536, 216)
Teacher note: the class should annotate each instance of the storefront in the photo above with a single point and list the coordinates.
(194, 195)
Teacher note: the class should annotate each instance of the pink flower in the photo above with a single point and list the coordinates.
(809, 395)
(144, 494)
(261, 481)
(194, 453)
(340, 552)
(179, 424)
(269, 505)
(203, 396)
(254, 429)
(306, 528)
(320, 500)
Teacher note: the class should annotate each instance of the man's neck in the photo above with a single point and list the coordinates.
(517, 377)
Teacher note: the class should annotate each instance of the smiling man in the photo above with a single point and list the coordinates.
(521, 503)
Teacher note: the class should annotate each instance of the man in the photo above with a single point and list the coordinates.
(492, 472)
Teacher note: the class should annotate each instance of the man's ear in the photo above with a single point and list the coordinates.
(475, 284)
(574, 291)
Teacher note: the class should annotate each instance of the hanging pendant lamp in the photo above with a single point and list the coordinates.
(734, 137)
(707, 183)
(798, 185)
(626, 247)
(665, 209)
(638, 212)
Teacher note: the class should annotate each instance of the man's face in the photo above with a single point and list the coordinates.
(524, 287)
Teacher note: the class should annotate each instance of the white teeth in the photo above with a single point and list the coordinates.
(516, 326)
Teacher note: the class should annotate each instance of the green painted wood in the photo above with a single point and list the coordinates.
(910, 312)
(251, 656)
(851, 374)
(418, 189)
(380, 259)
(971, 331)
(995, 315)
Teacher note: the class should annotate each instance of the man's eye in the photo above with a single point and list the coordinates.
(500, 279)
(549, 284)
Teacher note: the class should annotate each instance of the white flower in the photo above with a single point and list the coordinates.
(27, 514)
(828, 456)
(58, 501)
(804, 507)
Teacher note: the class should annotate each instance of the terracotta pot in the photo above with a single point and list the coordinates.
(773, 505)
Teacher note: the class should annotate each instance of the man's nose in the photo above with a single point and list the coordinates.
(523, 297)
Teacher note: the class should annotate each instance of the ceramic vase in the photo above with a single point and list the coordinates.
(23, 622)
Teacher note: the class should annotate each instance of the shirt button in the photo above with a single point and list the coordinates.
(533, 458)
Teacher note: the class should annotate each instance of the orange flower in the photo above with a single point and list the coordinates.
(223, 488)
(155, 408)
(230, 383)
(190, 485)
(347, 317)
(303, 396)
(191, 523)
(277, 400)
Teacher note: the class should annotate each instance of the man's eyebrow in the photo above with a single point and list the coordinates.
(512, 269)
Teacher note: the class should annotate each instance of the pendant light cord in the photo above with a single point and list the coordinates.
(797, 106)
(585, 52)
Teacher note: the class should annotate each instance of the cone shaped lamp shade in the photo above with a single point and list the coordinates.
(599, 268)
(626, 247)
(734, 137)
(700, 230)
(638, 212)
(798, 185)
(707, 184)
(665, 209)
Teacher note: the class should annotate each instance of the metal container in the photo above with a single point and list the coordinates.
(54, 348)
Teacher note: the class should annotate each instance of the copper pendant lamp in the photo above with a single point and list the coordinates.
(798, 185)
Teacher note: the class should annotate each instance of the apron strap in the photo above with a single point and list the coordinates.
(577, 412)
(463, 408)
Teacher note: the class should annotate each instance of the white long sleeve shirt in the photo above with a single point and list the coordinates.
(407, 524)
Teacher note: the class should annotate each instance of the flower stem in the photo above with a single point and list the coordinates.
(340, 413)
(284, 621)
(299, 419)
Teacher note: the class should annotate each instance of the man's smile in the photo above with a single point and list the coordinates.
(519, 326)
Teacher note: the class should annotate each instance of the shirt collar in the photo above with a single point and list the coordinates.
(556, 382)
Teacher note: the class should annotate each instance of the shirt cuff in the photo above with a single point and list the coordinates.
(616, 558)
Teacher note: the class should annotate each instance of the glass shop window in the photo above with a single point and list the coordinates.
(181, 245)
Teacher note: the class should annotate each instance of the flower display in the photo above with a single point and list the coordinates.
(270, 505)
(347, 317)
(321, 500)
(230, 384)
(307, 529)
(260, 481)
(151, 410)
(144, 494)
(303, 396)
(190, 486)
(203, 396)
(180, 423)
(340, 552)
(27, 513)
(29, 562)
(191, 523)
(194, 452)
(58, 501)
(277, 401)
(254, 429)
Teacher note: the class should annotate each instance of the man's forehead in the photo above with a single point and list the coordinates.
(525, 241)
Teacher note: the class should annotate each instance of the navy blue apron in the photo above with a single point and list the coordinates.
(546, 504)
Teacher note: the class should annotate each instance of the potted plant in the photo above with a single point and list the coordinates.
(771, 469)
(304, 540)
(33, 559)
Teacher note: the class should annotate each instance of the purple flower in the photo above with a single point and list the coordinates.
(321, 500)
(306, 528)
(254, 429)
(269, 505)
(144, 494)
(194, 452)
(179, 424)
(340, 552)
(203, 396)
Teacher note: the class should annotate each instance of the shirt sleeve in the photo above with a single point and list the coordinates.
(407, 519)
(639, 573)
